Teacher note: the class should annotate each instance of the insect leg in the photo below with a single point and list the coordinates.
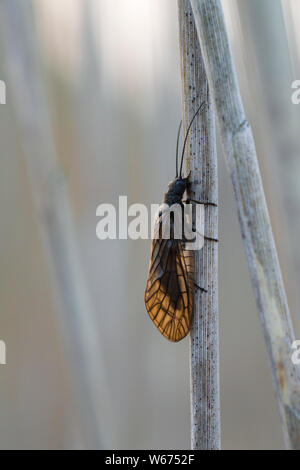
(200, 288)
(205, 203)
(188, 201)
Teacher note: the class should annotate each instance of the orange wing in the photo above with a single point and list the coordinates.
(169, 289)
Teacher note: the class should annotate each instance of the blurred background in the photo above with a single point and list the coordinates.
(92, 108)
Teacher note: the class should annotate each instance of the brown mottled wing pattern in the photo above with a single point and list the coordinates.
(170, 285)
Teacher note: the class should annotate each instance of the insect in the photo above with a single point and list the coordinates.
(170, 285)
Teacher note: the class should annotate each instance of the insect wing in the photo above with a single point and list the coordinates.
(170, 284)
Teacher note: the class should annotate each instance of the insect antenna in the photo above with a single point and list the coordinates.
(177, 145)
(186, 136)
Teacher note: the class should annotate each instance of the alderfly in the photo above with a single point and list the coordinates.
(170, 285)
